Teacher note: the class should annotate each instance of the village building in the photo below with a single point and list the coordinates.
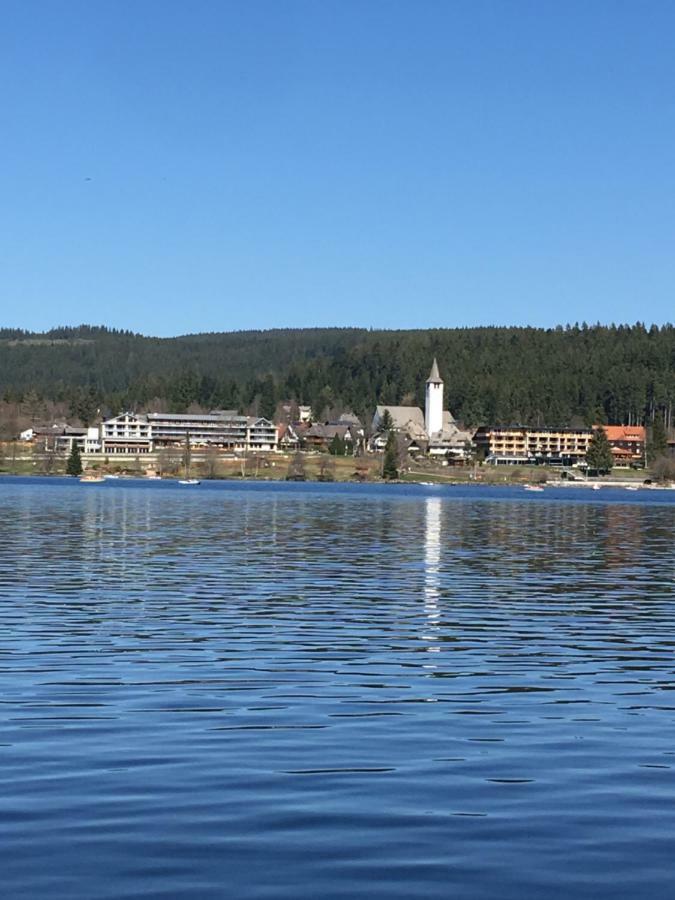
(627, 443)
(351, 419)
(288, 437)
(45, 437)
(433, 431)
(87, 440)
(523, 445)
(320, 437)
(136, 433)
(127, 433)
(407, 420)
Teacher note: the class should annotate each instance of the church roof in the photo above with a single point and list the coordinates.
(434, 375)
(409, 419)
(402, 415)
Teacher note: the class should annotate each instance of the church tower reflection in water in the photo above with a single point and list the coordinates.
(432, 573)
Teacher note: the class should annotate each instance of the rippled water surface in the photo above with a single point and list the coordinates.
(322, 691)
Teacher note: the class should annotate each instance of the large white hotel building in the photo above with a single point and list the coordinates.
(140, 433)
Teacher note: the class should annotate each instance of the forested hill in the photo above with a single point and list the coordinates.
(555, 376)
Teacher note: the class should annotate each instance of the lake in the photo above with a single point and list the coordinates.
(336, 691)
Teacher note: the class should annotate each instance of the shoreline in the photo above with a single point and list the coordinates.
(587, 484)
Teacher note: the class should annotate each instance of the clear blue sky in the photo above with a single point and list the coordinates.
(205, 166)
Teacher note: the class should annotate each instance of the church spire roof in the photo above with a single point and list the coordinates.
(434, 376)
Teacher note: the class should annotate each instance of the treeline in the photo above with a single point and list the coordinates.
(562, 376)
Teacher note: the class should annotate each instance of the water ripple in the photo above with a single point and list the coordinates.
(286, 691)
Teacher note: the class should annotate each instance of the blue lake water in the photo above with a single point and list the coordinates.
(299, 691)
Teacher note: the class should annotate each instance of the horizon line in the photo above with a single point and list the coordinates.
(359, 328)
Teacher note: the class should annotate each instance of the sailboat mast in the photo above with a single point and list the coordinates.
(187, 455)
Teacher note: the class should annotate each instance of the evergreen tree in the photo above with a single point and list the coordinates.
(599, 455)
(268, 398)
(390, 465)
(74, 462)
(386, 422)
(658, 444)
(83, 405)
(337, 446)
(598, 373)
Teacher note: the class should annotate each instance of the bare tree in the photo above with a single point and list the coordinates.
(168, 460)
(326, 468)
(47, 462)
(211, 461)
(296, 468)
(663, 469)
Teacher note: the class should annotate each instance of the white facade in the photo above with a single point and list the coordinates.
(433, 407)
(434, 431)
(92, 440)
(131, 433)
(125, 434)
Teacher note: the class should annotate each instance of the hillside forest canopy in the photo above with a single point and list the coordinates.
(565, 376)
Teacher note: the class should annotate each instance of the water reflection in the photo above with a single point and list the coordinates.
(432, 572)
(233, 688)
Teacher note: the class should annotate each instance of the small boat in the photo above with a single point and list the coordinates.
(595, 487)
(111, 477)
(632, 487)
(91, 479)
(189, 481)
(533, 487)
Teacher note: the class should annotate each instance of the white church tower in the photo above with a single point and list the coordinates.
(433, 408)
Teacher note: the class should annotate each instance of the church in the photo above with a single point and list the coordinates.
(433, 431)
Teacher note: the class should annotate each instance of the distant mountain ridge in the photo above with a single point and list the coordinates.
(621, 373)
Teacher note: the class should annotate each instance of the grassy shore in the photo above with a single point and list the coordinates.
(25, 460)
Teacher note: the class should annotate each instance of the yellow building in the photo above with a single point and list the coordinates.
(516, 444)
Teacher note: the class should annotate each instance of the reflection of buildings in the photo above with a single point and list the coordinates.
(432, 570)
(554, 543)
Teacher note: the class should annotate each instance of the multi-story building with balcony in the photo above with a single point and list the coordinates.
(628, 444)
(514, 444)
(142, 433)
(126, 433)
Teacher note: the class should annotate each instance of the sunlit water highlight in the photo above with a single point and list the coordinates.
(324, 691)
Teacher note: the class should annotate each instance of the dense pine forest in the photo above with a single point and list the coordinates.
(562, 376)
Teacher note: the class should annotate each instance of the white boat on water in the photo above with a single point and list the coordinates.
(186, 479)
(533, 487)
(111, 477)
(632, 487)
(91, 479)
